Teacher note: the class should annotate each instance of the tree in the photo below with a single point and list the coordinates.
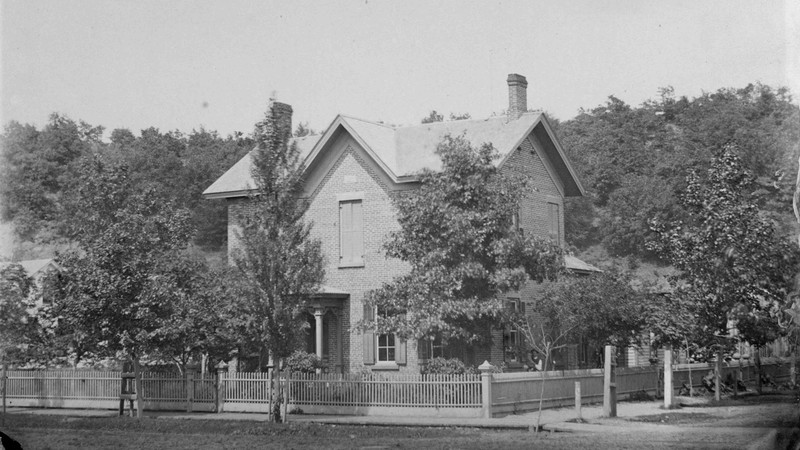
(15, 289)
(736, 267)
(122, 237)
(199, 317)
(433, 116)
(303, 130)
(280, 265)
(456, 234)
(37, 168)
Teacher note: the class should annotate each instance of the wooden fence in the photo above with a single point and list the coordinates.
(520, 392)
(491, 394)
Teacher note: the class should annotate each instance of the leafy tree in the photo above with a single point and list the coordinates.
(122, 237)
(303, 130)
(456, 234)
(15, 289)
(207, 157)
(433, 116)
(37, 167)
(634, 160)
(736, 267)
(463, 116)
(279, 264)
(198, 319)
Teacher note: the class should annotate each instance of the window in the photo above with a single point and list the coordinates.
(386, 348)
(431, 348)
(382, 349)
(554, 216)
(511, 338)
(351, 233)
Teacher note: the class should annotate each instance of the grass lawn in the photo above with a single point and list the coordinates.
(58, 432)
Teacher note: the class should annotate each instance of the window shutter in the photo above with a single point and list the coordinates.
(369, 338)
(345, 224)
(357, 232)
(351, 232)
(400, 351)
(522, 307)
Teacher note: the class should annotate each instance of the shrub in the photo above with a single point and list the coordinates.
(303, 362)
(447, 366)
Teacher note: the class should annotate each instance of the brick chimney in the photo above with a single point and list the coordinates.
(517, 95)
(282, 114)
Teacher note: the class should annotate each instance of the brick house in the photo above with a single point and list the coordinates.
(354, 169)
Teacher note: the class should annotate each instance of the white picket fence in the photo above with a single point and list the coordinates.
(490, 394)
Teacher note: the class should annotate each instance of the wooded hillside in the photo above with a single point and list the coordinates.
(632, 160)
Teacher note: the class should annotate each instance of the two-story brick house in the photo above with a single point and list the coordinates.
(354, 169)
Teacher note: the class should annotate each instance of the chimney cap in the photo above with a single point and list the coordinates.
(517, 79)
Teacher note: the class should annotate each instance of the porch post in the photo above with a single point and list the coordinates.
(318, 321)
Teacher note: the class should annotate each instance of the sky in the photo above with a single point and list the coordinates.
(214, 64)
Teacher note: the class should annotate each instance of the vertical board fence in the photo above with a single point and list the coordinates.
(356, 394)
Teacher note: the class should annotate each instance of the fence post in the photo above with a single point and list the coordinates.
(610, 382)
(190, 368)
(668, 377)
(4, 380)
(222, 368)
(718, 375)
(578, 402)
(486, 388)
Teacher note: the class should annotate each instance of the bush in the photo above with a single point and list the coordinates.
(447, 366)
(303, 362)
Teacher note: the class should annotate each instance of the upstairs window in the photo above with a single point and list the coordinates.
(351, 233)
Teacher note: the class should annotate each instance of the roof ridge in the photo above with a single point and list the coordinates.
(372, 122)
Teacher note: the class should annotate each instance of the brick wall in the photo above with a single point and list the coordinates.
(353, 173)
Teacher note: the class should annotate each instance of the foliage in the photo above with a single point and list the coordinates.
(433, 116)
(198, 316)
(446, 366)
(633, 161)
(279, 265)
(122, 237)
(300, 361)
(15, 289)
(601, 309)
(735, 266)
(303, 130)
(37, 166)
(456, 234)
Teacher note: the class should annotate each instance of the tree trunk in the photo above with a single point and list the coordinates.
(541, 391)
(758, 369)
(717, 376)
(689, 362)
(137, 373)
(271, 388)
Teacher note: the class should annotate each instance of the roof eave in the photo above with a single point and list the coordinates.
(229, 194)
(573, 175)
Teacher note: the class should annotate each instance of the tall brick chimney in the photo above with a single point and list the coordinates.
(283, 118)
(517, 95)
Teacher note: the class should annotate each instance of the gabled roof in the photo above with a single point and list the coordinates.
(576, 265)
(34, 266)
(403, 151)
